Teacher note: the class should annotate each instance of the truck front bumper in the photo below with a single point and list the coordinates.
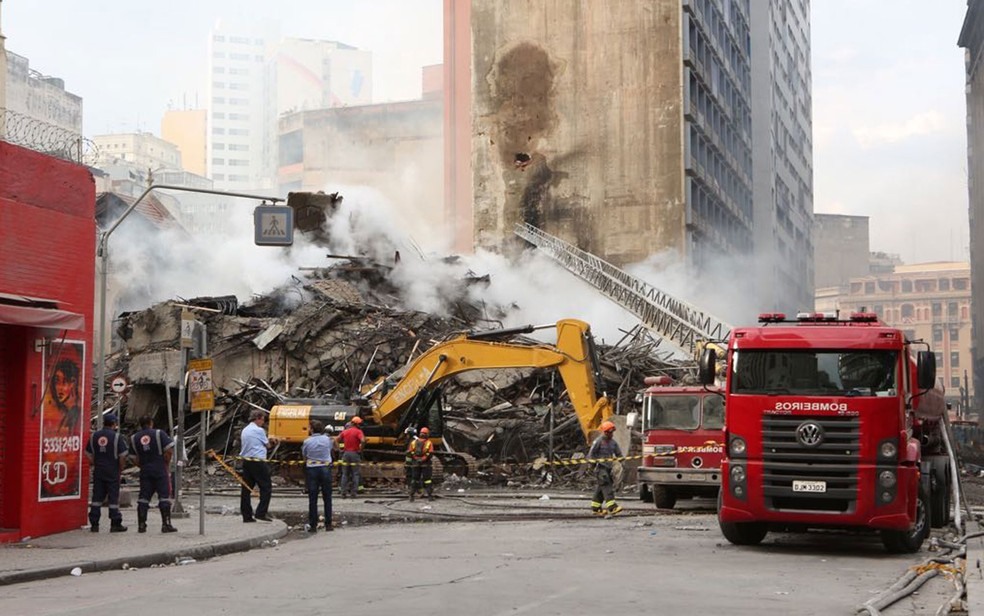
(680, 476)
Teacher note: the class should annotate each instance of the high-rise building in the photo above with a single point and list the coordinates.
(840, 250)
(143, 151)
(188, 130)
(972, 40)
(624, 127)
(782, 154)
(241, 111)
(253, 79)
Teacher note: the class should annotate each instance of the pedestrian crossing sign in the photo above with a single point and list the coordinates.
(273, 225)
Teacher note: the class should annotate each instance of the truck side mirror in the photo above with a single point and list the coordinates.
(925, 369)
(707, 367)
(630, 419)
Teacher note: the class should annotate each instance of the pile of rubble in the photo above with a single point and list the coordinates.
(332, 330)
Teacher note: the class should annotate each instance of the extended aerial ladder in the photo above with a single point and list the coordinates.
(681, 324)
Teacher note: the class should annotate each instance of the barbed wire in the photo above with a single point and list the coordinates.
(41, 136)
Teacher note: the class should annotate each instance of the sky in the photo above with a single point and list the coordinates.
(888, 87)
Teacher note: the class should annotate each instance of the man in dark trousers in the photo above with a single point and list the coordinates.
(152, 449)
(317, 451)
(420, 452)
(106, 451)
(254, 444)
(603, 449)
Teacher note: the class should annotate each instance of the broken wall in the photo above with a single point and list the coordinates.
(578, 123)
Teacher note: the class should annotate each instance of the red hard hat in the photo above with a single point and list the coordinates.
(424, 431)
(607, 427)
(356, 420)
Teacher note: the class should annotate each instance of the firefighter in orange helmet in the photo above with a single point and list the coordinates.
(603, 450)
(420, 451)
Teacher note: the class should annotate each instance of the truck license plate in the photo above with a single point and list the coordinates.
(809, 486)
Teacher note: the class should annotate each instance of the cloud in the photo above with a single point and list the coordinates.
(923, 124)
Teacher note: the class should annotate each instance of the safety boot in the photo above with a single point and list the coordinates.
(141, 521)
(117, 527)
(166, 523)
(615, 510)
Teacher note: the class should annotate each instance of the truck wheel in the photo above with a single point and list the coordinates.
(645, 494)
(742, 533)
(909, 541)
(939, 514)
(664, 497)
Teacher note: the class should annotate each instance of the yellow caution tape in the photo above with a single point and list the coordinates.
(567, 462)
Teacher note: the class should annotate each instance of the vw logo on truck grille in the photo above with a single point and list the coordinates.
(809, 434)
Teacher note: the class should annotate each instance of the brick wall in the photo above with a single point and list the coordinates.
(47, 250)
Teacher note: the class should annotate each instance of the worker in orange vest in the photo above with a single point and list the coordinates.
(420, 451)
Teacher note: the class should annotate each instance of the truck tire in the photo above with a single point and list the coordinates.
(909, 541)
(742, 533)
(645, 494)
(939, 510)
(664, 497)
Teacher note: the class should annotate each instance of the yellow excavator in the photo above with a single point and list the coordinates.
(412, 398)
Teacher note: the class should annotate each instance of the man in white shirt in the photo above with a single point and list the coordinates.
(254, 444)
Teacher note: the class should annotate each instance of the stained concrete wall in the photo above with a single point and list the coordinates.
(578, 122)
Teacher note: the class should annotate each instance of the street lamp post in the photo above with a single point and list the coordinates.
(102, 251)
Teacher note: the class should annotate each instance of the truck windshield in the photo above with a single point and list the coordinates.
(713, 412)
(814, 373)
(672, 412)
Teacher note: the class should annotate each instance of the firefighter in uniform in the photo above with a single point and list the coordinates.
(420, 451)
(602, 449)
(411, 433)
(106, 451)
(152, 449)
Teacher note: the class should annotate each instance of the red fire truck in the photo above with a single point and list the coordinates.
(832, 423)
(683, 441)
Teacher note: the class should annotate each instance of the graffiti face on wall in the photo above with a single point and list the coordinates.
(60, 469)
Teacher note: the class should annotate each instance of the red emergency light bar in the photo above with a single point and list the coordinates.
(771, 317)
(864, 317)
(657, 380)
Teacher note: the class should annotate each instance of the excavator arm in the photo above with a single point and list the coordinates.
(573, 356)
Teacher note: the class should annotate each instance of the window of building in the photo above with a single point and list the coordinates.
(855, 288)
(239, 86)
(238, 178)
(239, 116)
(218, 131)
(937, 309)
(960, 284)
(869, 287)
(954, 334)
(218, 100)
(218, 176)
(908, 312)
(955, 382)
(218, 115)
(218, 38)
(907, 286)
(218, 69)
(939, 360)
(218, 161)
(951, 310)
(937, 333)
(241, 132)
(239, 56)
(218, 54)
(239, 40)
(219, 85)
(879, 310)
(944, 284)
(239, 147)
(955, 359)
(218, 146)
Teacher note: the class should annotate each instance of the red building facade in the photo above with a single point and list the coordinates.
(47, 272)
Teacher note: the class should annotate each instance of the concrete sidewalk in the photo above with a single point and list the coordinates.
(56, 555)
